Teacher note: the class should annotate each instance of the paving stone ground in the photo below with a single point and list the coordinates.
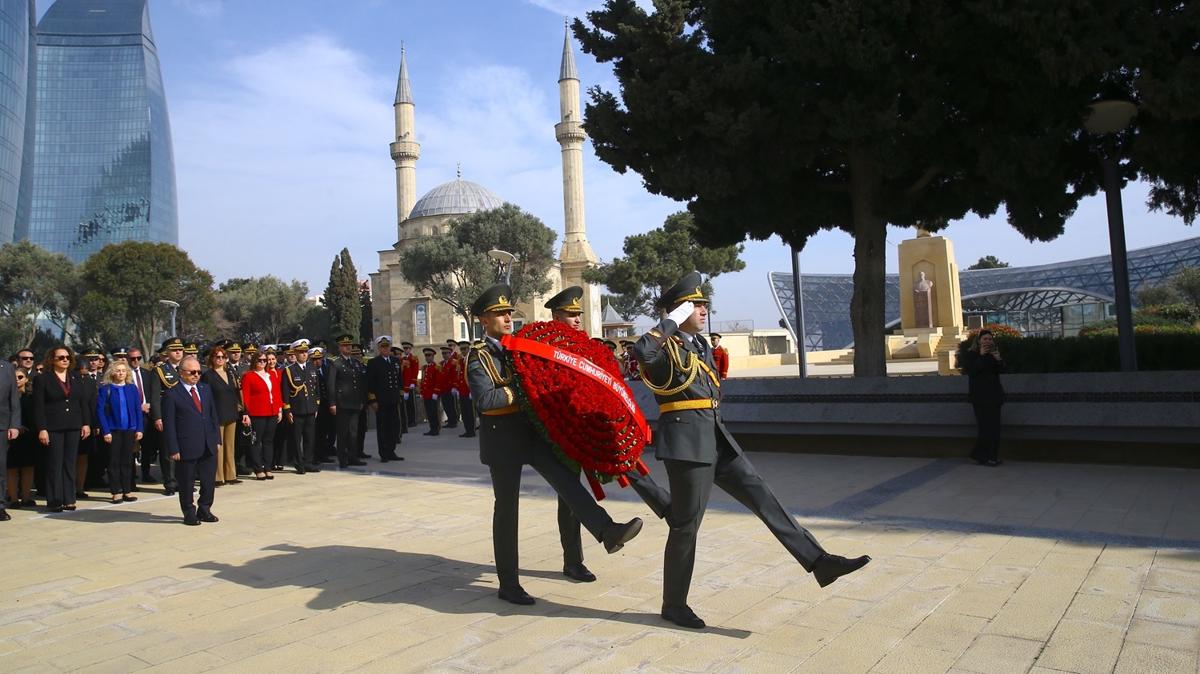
(1030, 567)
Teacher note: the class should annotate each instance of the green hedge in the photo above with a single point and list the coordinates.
(1098, 353)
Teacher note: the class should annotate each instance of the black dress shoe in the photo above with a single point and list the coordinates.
(466, 435)
(430, 433)
(358, 463)
(4, 516)
(54, 509)
(617, 535)
(683, 616)
(579, 572)
(208, 517)
(191, 521)
(831, 567)
(313, 468)
(992, 463)
(233, 481)
(384, 459)
(516, 595)
(300, 470)
(168, 492)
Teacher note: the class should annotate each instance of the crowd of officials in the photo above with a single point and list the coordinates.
(93, 420)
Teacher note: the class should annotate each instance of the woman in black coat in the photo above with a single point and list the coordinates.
(982, 365)
(62, 416)
(228, 399)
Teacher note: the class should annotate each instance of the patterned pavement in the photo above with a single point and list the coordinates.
(1030, 567)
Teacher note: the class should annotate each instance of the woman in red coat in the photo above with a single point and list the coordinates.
(264, 404)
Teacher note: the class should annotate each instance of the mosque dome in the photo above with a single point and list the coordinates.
(456, 197)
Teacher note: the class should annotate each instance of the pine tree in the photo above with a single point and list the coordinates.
(341, 296)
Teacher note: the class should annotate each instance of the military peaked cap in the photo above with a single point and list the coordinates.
(234, 347)
(567, 300)
(496, 298)
(172, 343)
(717, 335)
(345, 338)
(687, 289)
(429, 351)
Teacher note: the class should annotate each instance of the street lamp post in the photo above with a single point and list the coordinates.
(1107, 119)
(174, 307)
(504, 261)
(797, 290)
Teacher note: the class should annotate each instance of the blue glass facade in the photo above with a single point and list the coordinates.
(17, 73)
(104, 170)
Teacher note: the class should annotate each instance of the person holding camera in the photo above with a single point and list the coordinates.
(983, 365)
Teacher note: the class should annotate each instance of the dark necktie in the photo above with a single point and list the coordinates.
(196, 400)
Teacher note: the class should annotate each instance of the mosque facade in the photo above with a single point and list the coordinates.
(408, 315)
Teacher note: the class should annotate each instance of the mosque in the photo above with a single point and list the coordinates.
(407, 315)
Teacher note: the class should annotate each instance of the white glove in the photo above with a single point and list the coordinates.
(434, 396)
(406, 396)
(455, 392)
(681, 313)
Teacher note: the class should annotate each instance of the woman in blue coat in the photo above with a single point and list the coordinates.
(119, 410)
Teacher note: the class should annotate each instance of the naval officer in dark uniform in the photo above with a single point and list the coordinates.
(301, 384)
(508, 441)
(346, 384)
(383, 394)
(677, 365)
(165, 378)
(566, 309)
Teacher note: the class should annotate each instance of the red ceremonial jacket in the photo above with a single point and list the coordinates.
(410, 367)
(431, 380)
(721, 360)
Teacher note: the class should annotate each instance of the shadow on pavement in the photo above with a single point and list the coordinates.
(111, 515)
(447, 586)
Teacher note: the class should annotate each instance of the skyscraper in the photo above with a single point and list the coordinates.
(104, 170)
(17, 73)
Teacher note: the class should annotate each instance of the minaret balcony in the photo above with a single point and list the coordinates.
(569, 131)
(406, 149)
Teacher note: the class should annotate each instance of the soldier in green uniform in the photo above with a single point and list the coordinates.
(508, 441)
(165, 378)
(698, 451)
(566, 309)
(346, 385)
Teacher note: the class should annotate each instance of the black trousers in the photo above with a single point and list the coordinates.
(262, 446)
(304, 438)
(691, 485)
(346, 421)
(450, 404)
(410, 409)
(468, 414)
(326, 434)
(283, 442)
(569, 534)
(506, 486)
(987, 442)
(361, 432)
(387, 429)
(434, 415)
(60, 467)
(152, 440)
(120, 462)
(187, 472)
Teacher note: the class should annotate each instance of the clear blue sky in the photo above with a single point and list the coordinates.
(281, 112)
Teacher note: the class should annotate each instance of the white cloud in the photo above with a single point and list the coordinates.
(204, 8)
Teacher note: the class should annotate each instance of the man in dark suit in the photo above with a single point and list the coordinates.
(508, 441)
(10, 426)
(192, 438)
(677, 365)
(383, 393)
(346, 385)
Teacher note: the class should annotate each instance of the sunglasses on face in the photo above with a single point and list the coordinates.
(62, 358)
(134, 358)
(260, 360)
(218, 357)
(25, 357)
(189, 371)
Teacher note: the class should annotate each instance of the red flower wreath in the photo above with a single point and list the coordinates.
(587, 422)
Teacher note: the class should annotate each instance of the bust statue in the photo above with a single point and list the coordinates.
(922, 302)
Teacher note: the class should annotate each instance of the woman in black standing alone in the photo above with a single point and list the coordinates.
(982, 365)
(62, 417)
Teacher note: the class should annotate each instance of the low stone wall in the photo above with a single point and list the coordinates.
(918, 415)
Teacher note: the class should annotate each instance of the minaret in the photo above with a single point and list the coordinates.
(405, 150)
(577, 253)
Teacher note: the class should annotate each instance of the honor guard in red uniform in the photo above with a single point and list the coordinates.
(431, 381)
(466, 406)
(720, 355)
(629, 366)
(410, 368)
(447, 389)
